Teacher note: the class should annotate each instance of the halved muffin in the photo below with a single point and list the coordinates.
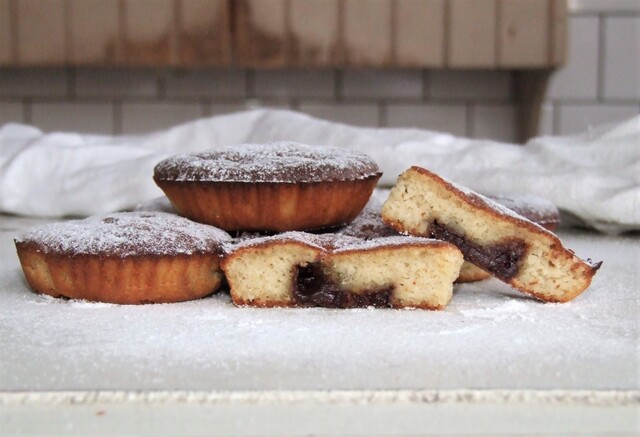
(337, 271)
(491, 236)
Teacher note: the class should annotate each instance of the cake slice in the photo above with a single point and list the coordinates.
(369, 225)
(298, 269)
(491, 236)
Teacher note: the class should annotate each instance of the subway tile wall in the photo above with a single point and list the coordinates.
(599, 84)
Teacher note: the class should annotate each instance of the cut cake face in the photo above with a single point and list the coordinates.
(501, 242)
(335, 271)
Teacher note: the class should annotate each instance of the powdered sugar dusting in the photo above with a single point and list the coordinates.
(507, 310)
(336, 242)
(488, 337)
(394, 241)
(485, 201)
(127, 234)
(319, 241)
(282, 162)
(368, 224)
(535, 208)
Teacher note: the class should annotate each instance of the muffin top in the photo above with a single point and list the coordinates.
(277, 162)
(126, 234)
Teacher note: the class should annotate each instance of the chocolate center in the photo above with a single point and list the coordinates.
(312, 287)
(502, 260)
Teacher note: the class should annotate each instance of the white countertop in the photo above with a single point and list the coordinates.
(489, 339)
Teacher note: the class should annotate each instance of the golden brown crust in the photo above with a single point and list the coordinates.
(259, 303)
(130, 280)
(239, 206)
(288, 304)
(434, 244)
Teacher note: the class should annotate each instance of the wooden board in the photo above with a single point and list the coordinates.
(367, 33)
(523, 33)
(41, 32)
(261, 33)
(420, 29)
(558, 32)
(203, 32)
(471, 33)
(95, 30)
(149, 33)
(6, 36)
(315, 32)
(285, 33)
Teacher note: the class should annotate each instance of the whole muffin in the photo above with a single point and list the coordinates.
(124, 258)
(278, 186)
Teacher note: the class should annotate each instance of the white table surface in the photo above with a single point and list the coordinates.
(491, 346)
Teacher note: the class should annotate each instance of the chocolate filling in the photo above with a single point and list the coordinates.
(502, 260)
(312, 287)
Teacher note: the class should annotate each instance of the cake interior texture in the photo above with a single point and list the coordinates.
(280, 272)
(492, 237)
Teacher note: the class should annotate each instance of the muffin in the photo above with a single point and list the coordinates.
(124, 258)
(276, 187)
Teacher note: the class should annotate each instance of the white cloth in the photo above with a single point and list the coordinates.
(594, 176)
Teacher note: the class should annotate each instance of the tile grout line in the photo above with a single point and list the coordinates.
(426, 85)
(555, 121)
(205, 107)
(249, 84)
(294, 103)
(70, 82)
(382, 114)
(338, 86)
(470, 119)
(27, 111)
(160, 84)
(117, 117)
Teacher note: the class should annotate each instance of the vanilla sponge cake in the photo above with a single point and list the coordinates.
(369, 225)
(336, 271)
(496, 239)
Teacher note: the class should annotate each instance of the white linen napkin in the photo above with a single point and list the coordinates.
(593, 176)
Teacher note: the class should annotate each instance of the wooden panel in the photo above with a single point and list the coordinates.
(35, 46)
(261, 32)
(94, 31)
(558, 32)
(419, 28)
(279, 33)
(315, 32)
(149, 37)
(472, 33)
(6, 39)
(523, 35)
(367, 32)
(204, 34)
